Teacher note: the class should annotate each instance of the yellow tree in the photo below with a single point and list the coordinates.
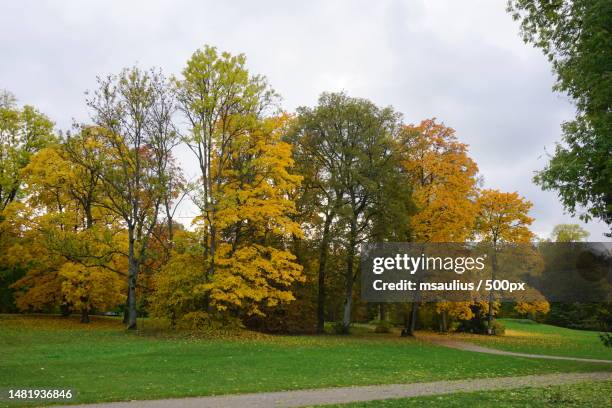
(444, 180)
(502, 218)
(445, 186)
(254, 219)
(81, 238)
(254, 269)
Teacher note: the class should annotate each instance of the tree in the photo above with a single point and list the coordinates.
(445, 186)
(82, 242)
(575, 36)
(445, 181)
(23, 132)
(569, 233)
(502, 218)
(347, 147)
(244, 184)
(220, 100)
(125, 107)
(532, 308)
(254, 268)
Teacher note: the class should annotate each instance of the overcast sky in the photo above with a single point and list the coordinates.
(461, 62)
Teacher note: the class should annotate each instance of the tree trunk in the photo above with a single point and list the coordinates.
(491, 298)
(323, 251)
(444, 323)
(382, 312)
(348, 300)
(410, 324)
(132, 276)
(85, 315)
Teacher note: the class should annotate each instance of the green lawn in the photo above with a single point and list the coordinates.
(102, 362)
(588, 394)
(530, 337)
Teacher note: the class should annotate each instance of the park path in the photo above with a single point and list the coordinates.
(461, 345)
(303, 398)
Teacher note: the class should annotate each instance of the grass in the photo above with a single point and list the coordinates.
(587, 394)
(527, 336)
(103, 362)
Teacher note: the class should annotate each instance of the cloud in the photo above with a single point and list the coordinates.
(462, 62)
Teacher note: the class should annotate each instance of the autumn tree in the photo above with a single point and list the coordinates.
(244, 192)
(74, 229)
(126, 107)
(502, 218)
(254, 267)
(23, 132)
(445, 184)
(221, 100)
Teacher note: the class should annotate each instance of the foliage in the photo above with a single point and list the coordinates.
(575, 36)
(445, 183)
(532, 309)
(23, 132)
(502, 217)
(569, 233)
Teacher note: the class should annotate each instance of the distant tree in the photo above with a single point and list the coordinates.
(532, 308)
(502, 218)
(569, 233)
(575, 36)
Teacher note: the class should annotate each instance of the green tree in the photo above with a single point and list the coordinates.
(348, 148)
(575, 36)
(569, 233)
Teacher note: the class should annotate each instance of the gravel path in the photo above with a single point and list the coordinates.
(302, 398)
(460, 345)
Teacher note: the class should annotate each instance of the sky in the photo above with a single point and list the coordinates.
(463, 63)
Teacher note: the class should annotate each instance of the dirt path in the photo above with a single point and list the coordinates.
(460, 345)
(302, 398)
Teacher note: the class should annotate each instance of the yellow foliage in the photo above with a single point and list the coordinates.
(88, 288)
(456, 310)
(444, 181)
(532, 308)
(502, 217)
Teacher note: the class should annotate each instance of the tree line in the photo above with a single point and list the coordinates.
(87, 217)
